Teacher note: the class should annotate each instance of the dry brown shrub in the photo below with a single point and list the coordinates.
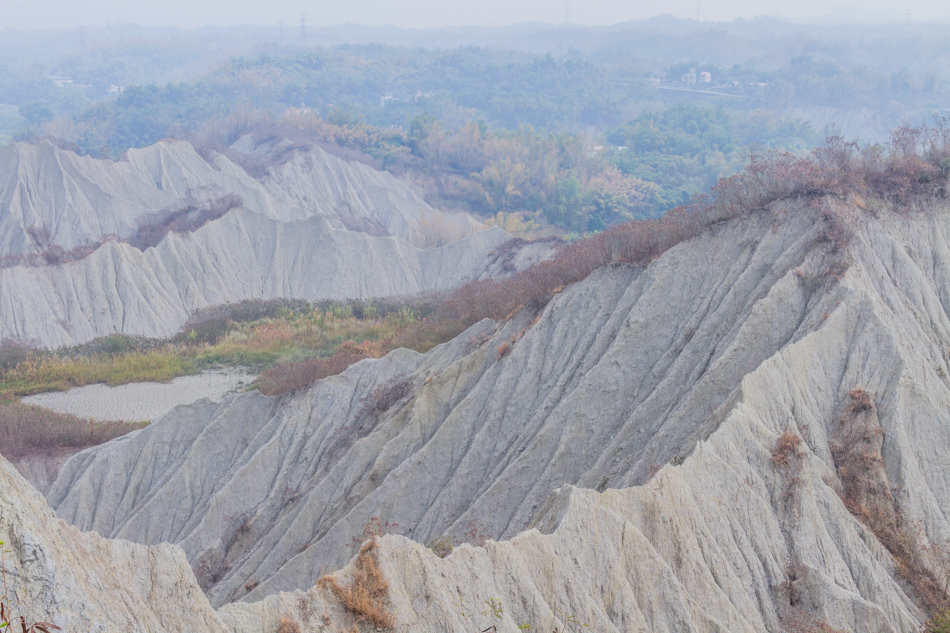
(503, 349)
(382, 399)
(368, 348)
(287, 624)
(860, 401)
(866, 493)
(286, 377)
(27, 430)
(442, 546)
(787, 446)
(367, 595)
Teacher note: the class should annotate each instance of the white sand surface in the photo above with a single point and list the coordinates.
(141, 400)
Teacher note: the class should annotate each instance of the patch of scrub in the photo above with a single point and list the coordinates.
(141, 400)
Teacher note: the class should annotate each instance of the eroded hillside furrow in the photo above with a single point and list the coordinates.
(729, 440)
(600, 391)
(91, 247)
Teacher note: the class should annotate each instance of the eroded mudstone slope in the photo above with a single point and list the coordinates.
(673, 437)
(240, 256)
(90, 247)
(83, 582)
(618, 376)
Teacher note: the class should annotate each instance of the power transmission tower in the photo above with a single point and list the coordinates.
(280, 37)
(303, 26)
(567, 12)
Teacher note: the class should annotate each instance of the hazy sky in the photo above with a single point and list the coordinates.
(29, 14)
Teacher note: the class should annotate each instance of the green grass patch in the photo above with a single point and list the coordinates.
(258, 335)
(40, 372)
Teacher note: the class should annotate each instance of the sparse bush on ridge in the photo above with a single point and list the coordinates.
(367, 595)
(865, 490)
(786, 448)
(442, 546)
(295, 374)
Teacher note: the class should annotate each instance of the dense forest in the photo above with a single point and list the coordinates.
(572, 127)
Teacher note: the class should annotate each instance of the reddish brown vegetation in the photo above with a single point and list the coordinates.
(54, 254)
(788, 446)
(860, 401)
(866, 492)
(187, 216)
(476, 534)
(287, 624)
(28, 431)
(367, 595)
(797, 620)
(289, 376)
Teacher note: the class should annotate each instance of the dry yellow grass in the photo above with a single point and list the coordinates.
(367, 595)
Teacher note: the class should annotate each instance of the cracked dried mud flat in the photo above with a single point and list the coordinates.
(140, 401)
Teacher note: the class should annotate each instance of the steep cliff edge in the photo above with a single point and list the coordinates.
(716, 388)
(83, 582)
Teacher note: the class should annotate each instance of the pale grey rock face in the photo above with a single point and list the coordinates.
(51, 196)
(670, 383)
(41, 470)
(83, 582)
(314, 227)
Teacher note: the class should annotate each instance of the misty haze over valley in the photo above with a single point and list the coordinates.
(475, 318)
